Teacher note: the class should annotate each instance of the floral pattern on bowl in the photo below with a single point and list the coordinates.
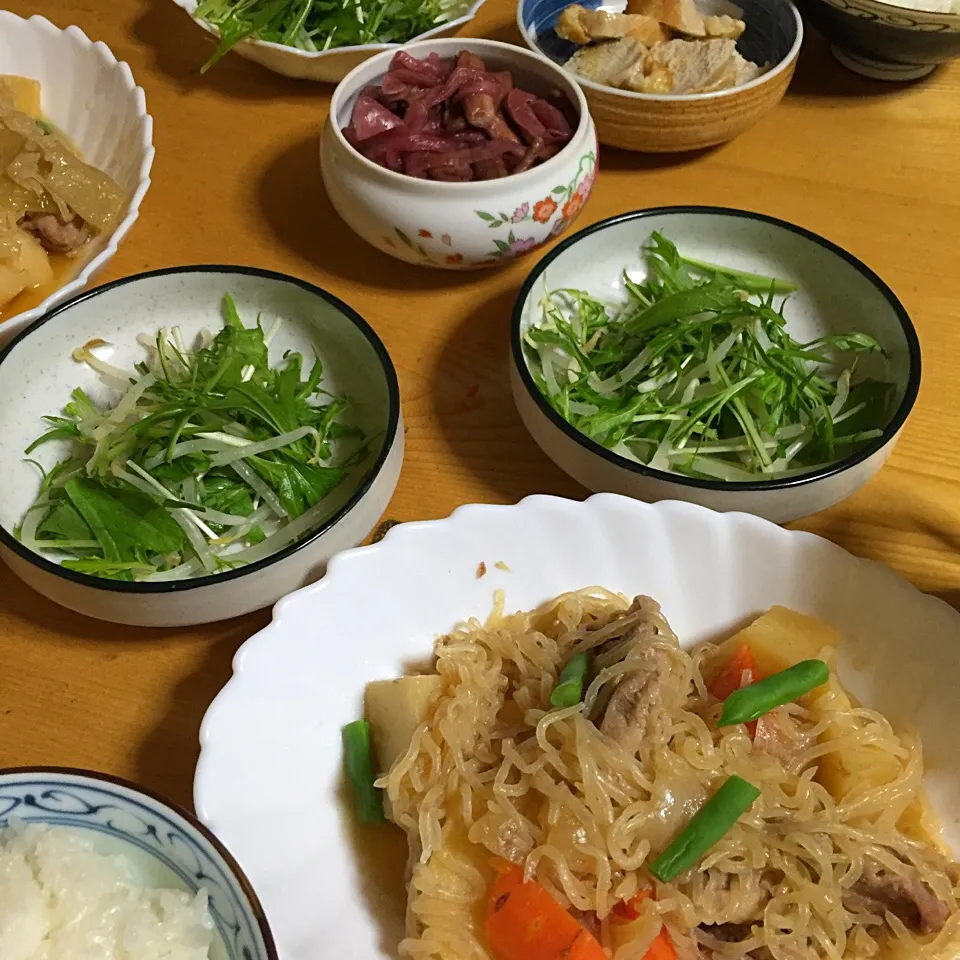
(559, 208)
(470, 225)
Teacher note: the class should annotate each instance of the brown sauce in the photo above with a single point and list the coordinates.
(380, 852)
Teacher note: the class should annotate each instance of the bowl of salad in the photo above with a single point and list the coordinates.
(713, 355)
(191, 444)
(323, 42)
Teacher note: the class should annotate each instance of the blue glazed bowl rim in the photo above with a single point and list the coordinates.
(96, 779)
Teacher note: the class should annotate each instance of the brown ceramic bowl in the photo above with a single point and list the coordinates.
(660, 123)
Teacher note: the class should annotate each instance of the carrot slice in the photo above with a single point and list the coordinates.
(730, 678)
(627, 910)
(662, 948)
(740, 671)
(525, 923)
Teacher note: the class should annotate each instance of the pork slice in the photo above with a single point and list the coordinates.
(698, 66)
(635, 628)
(608, 63)
(906, 896)
(57, 235)
(745, 70)
(633, 706)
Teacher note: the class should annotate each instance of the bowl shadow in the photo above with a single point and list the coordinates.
(820, 74)
(180, 47)
(168, 756)
(474, 409)
(294, 204)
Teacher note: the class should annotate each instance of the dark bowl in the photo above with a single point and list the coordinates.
(882, 41)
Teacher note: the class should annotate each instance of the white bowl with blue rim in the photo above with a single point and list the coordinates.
(38, 373)
(837, 293)
(164, 846)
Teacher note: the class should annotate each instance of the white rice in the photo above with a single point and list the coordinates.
(61, 900)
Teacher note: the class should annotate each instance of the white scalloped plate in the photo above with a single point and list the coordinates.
(93, 98)
(268, 781)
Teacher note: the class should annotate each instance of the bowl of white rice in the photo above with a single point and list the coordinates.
(95, 868)
(888, 39)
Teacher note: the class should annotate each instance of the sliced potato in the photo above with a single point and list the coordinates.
(781, 638)
(27, 269)
(23, 92)
(394, 710)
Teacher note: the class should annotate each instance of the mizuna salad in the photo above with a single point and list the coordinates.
(208, 458)
(697, 374)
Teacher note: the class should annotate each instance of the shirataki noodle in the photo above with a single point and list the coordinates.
(497, 773)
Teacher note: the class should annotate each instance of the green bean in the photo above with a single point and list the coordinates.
(752, 702)
(569, 688)
(358, 759)
(708, 827)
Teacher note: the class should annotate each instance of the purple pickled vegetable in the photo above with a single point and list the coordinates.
(455, 121)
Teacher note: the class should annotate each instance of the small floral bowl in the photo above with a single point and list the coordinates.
(460, 226)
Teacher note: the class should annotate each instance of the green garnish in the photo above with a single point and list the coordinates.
(316, 25)
(44, 126)
(208, 460)
(707, 828)
(758, 699)
(569, 688)
(358, 760)
(696, 374)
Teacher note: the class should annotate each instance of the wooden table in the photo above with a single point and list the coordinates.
(875, 168)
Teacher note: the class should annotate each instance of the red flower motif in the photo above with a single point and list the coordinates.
(454, 258)
(426, 234)
(544, 209)
(572, 207)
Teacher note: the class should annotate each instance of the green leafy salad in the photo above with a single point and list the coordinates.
(316, 25)
(208, 459)
(696, 374)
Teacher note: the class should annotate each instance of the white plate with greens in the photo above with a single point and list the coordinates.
(323, 42)
(713, 355)
(190, 444)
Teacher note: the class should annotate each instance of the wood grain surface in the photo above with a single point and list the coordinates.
(873, 167)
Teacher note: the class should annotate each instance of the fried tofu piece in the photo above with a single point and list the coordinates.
(724, 27)
(582, 26)
(681, 16)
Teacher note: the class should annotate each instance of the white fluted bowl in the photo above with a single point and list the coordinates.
(93, 98)
(269, 778)
(324, 66)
